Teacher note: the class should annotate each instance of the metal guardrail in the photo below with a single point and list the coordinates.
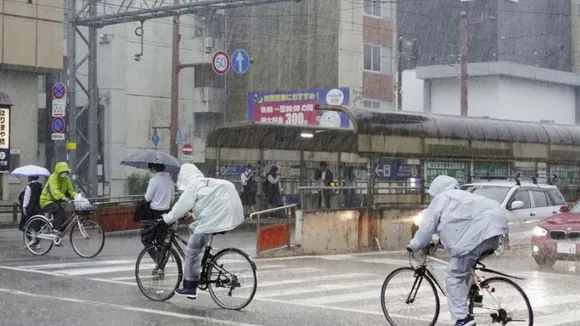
(289, 215)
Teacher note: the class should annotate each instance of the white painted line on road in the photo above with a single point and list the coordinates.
(560, 318)
(315, 289)
(331, 256)
(343, 297)
(103, 270)
(87, 264)
(314, 278)
(128, 308)
(302, 270)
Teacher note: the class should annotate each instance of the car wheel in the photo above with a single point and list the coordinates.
(544, 261)
(503, 245)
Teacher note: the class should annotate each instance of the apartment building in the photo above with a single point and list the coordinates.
(312, 45)
(31, 44)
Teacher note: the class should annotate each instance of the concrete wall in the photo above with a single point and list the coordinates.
(293, 45)
(354, 231)
(31, 34)
(494, 97)
(22, 87)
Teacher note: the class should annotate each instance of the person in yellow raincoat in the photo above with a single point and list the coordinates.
(57, 190)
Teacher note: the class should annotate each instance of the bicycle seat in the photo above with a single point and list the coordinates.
(219, 233)
(485, 254)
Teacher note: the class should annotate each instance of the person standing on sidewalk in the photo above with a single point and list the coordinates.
(30, 202)
(249, 191)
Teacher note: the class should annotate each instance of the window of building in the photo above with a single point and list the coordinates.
(377, 104)
(378, 58)
(373, 8)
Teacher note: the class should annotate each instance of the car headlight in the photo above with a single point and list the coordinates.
(418, 218)
(540, 232)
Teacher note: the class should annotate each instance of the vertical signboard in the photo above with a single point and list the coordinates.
(4, 139)
(457, 170)
(296, 108)
(490, 169)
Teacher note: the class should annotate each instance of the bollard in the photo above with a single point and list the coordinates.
(15, 212)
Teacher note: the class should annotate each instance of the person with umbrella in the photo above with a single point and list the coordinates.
(30, 197)
(58, 188)
(160, 195)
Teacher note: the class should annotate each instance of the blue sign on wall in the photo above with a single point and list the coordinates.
(296, 107)
(393, 169)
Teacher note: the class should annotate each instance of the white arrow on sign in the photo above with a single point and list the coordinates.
(385, 169)
(240, 60)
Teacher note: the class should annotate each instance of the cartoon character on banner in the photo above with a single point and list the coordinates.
(329, 119)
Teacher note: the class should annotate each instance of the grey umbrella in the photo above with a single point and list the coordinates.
(141, 160)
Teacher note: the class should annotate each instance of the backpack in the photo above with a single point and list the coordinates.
(266, 186)
(252, 185)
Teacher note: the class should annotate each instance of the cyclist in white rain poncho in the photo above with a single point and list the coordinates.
(468, 225)
(216, 208)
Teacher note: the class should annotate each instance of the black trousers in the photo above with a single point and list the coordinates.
(59, 215)
(149, 234)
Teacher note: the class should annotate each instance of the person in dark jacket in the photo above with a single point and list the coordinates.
(324, 178)
(30, 203)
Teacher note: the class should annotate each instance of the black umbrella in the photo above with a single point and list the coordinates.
(141, 160)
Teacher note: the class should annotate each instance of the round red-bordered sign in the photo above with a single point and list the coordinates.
(187, 149)
(220, 63)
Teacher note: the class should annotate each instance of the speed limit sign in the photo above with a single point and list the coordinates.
(220, 62)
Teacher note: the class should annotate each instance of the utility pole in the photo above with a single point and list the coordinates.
(400, 74)
(463, 60)
(71, 81)
(173, 124)
(92, 188)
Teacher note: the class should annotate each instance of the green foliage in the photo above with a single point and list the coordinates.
(137, 183)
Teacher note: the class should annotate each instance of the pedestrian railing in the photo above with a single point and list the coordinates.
(13, 209)
(274, 236)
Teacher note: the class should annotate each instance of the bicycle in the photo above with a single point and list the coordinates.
(39, 227)
(496, 313)
(169, 250)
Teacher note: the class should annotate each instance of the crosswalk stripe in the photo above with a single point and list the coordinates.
(83, 264)
(313, 278)
(560, 318)
(325, 300)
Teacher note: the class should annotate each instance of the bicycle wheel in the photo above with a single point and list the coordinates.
(38, 235)
(158, 278)
(499, 305)
(87, 237)
(404, 285)
(223, 278)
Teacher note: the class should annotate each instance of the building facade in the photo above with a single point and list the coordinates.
(31, 44)
(314, 44)
(532, 32)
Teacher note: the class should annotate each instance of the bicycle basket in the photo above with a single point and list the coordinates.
(83, 208)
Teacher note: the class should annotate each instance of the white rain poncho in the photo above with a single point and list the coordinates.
(461, 219)
(215, 202)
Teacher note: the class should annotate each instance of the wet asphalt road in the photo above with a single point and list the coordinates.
(62, 289)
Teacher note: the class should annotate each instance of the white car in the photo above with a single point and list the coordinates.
(525, 204)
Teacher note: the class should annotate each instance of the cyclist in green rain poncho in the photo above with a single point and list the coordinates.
(57, 190)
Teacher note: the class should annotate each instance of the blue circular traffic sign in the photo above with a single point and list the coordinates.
(155, 139)
(58, 125)
(58, 91)
(240, 61)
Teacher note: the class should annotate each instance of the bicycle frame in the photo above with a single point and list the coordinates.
(426, 270)
(69, 224)
(206, 261)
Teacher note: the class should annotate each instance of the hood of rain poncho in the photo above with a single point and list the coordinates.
(441, 184)
(188, 174)
(215, 203)
(61, 167)
(461, 219)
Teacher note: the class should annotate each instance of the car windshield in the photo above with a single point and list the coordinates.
(576, 208)
(496, 193)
